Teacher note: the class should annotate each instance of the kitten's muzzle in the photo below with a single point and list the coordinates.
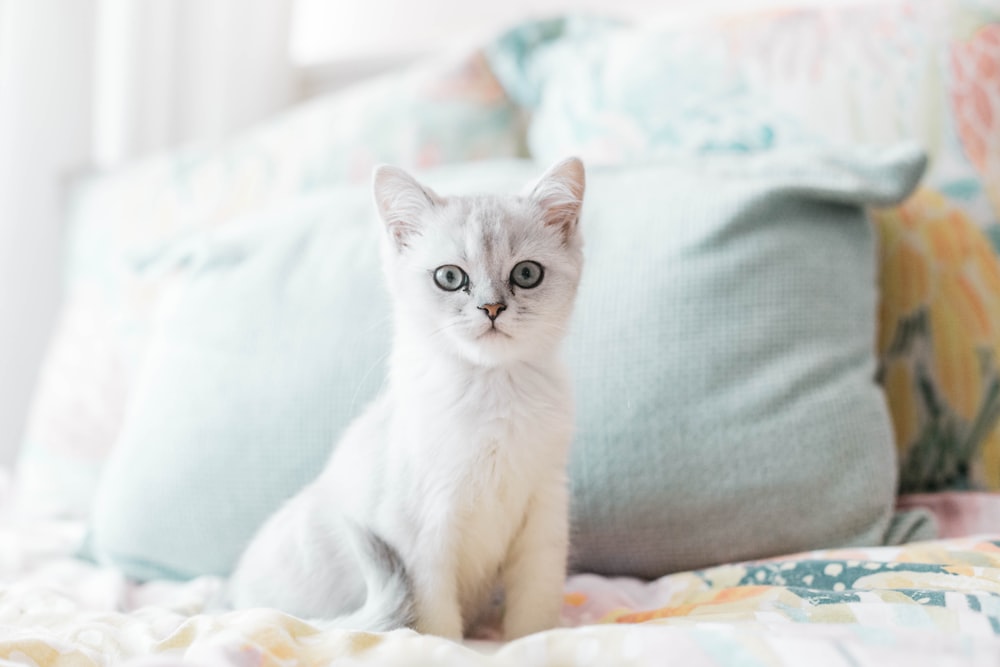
(493, 310)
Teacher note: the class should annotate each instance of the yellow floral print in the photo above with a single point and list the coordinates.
(939, 341)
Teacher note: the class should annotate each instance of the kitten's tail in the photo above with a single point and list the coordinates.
(390, 601)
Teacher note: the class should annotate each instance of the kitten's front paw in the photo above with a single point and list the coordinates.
(448, 626)
(516, 626)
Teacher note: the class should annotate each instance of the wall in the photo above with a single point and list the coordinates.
(325, 31)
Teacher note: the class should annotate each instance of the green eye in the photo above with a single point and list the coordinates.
(450, 277)
(527, 274)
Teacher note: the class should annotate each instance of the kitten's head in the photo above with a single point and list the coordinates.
(491, 277)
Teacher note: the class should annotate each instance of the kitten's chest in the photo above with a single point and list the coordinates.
(481, 445)
(491, 415)
(494, 441)
(493, 461)
(505, 429)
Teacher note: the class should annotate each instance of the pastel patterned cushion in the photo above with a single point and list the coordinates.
(920, 70)
(721, 351)
(896, 70)
(939, 342)
(439, 112)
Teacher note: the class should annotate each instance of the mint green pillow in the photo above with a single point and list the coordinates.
(722, 352)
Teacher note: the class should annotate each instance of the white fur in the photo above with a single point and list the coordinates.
(460, 464)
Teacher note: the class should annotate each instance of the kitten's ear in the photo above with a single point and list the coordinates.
(560, 194)
(401, 202)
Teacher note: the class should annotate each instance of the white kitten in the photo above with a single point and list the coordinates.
(454, 479)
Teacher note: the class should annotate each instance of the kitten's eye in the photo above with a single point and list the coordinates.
(527, 274)
(450, 277)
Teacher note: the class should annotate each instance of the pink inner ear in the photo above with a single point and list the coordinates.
(560, 193)
(401, 232)
(562, 214)
(401, 201)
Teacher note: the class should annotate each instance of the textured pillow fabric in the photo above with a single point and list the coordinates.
(721, 352)
(260, 356)
(451, 110)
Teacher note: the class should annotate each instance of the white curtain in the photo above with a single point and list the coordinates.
(45, 121)
(174, 71)
(90, 84)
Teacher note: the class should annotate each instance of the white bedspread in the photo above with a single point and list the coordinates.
(58, 610)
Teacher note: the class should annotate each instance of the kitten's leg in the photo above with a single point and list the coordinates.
(438, 610)
(435, 582)
(534, 574)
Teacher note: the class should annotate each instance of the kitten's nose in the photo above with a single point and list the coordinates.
(493, 310)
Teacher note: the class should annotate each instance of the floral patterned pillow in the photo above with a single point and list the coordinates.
(445, 111)
(939, 344)
(878, 73)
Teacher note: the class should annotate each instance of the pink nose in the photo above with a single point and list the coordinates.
(493, 310)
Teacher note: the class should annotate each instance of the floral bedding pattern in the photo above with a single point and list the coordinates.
(934, 603)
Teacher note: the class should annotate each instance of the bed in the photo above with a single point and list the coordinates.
(801, 465)
(928, 603)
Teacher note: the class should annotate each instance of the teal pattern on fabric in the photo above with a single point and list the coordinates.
(589, 83)
(826, 575)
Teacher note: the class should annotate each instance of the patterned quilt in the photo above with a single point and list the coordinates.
(934, 603)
